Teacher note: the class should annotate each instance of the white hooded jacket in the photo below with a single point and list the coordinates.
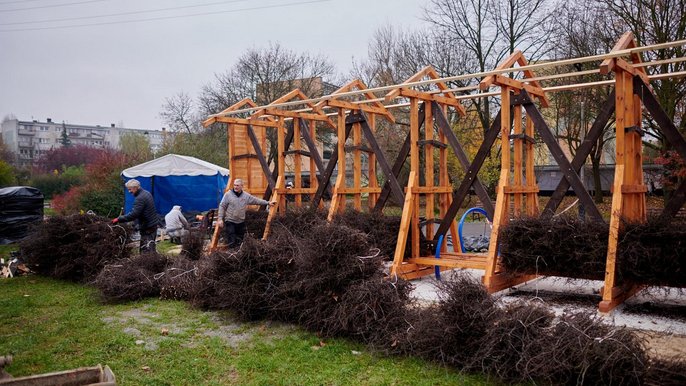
(174, 220)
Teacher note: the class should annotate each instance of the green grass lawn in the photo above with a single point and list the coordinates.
(49, 325)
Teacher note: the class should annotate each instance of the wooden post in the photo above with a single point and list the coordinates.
(272, 211)
(429, 170)
(443, 180)
(313, 166)
(518, 152)
(628, 197)
(531, 197)
(414, 166)
(338, 202)
(357, 166)
(405, 220)
(502, 201)
(297, 183)
(371, 160)
(281, 159)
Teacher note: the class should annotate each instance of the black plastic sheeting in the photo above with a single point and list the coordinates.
(20, 207)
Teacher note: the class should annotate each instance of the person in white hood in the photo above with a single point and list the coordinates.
(176, 224)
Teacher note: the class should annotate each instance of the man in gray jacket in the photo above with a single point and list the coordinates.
(144, 211)
(232, 212)
(176, 224)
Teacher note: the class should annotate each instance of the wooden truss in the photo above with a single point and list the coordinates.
(427, 111)
(359, 119)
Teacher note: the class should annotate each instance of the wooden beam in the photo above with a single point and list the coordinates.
(245, 122)
(479, 189)
(398, 165)
(561, 159)
(582, 152)
(276, 197)
(625, 41)
(355, 106)
(381, 159)
(507, 63)
(434, 98)
(403, 230)
(330, 166)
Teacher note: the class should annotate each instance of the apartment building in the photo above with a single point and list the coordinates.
(29, 140)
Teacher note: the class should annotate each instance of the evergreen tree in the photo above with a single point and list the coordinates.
(65, 141)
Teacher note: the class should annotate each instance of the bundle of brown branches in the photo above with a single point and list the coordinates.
(451, 332)
(131, 279)
(652, 253)
(74, 247)
(524, 342)
(179, 279)
(243, 281)
(666, 372)
(563, 246)
(255, 221)
(381, 230)
(327, 261)
(308, 272)
(192, 247)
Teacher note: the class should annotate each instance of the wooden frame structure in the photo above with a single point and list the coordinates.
(357, 119)
(517, 191)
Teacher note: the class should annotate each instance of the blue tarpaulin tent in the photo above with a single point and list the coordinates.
(194, 184)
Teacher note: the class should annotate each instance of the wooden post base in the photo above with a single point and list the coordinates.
(617, 296)
(501, 281)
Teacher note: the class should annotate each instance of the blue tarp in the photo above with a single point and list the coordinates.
(178, 180)
(193, 193)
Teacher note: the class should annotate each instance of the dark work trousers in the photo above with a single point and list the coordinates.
(234, 232)
(148, 240)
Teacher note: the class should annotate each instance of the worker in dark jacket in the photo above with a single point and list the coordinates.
(144, 211)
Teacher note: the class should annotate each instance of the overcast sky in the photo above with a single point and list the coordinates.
(118, 71)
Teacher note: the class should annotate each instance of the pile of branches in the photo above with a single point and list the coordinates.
(653, 253)
(563, 246)
(131, 278)
(148, 276)
(193, 245)
(74, 248)
(255, 221)
(525, 342)
(325, 277)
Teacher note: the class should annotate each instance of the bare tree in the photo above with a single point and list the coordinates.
(264, 75)
(179, 115)
(580, 30)
(489, 30)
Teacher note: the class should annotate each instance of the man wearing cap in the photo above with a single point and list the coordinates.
(144, 211)
(232, 212)
(176, 225)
